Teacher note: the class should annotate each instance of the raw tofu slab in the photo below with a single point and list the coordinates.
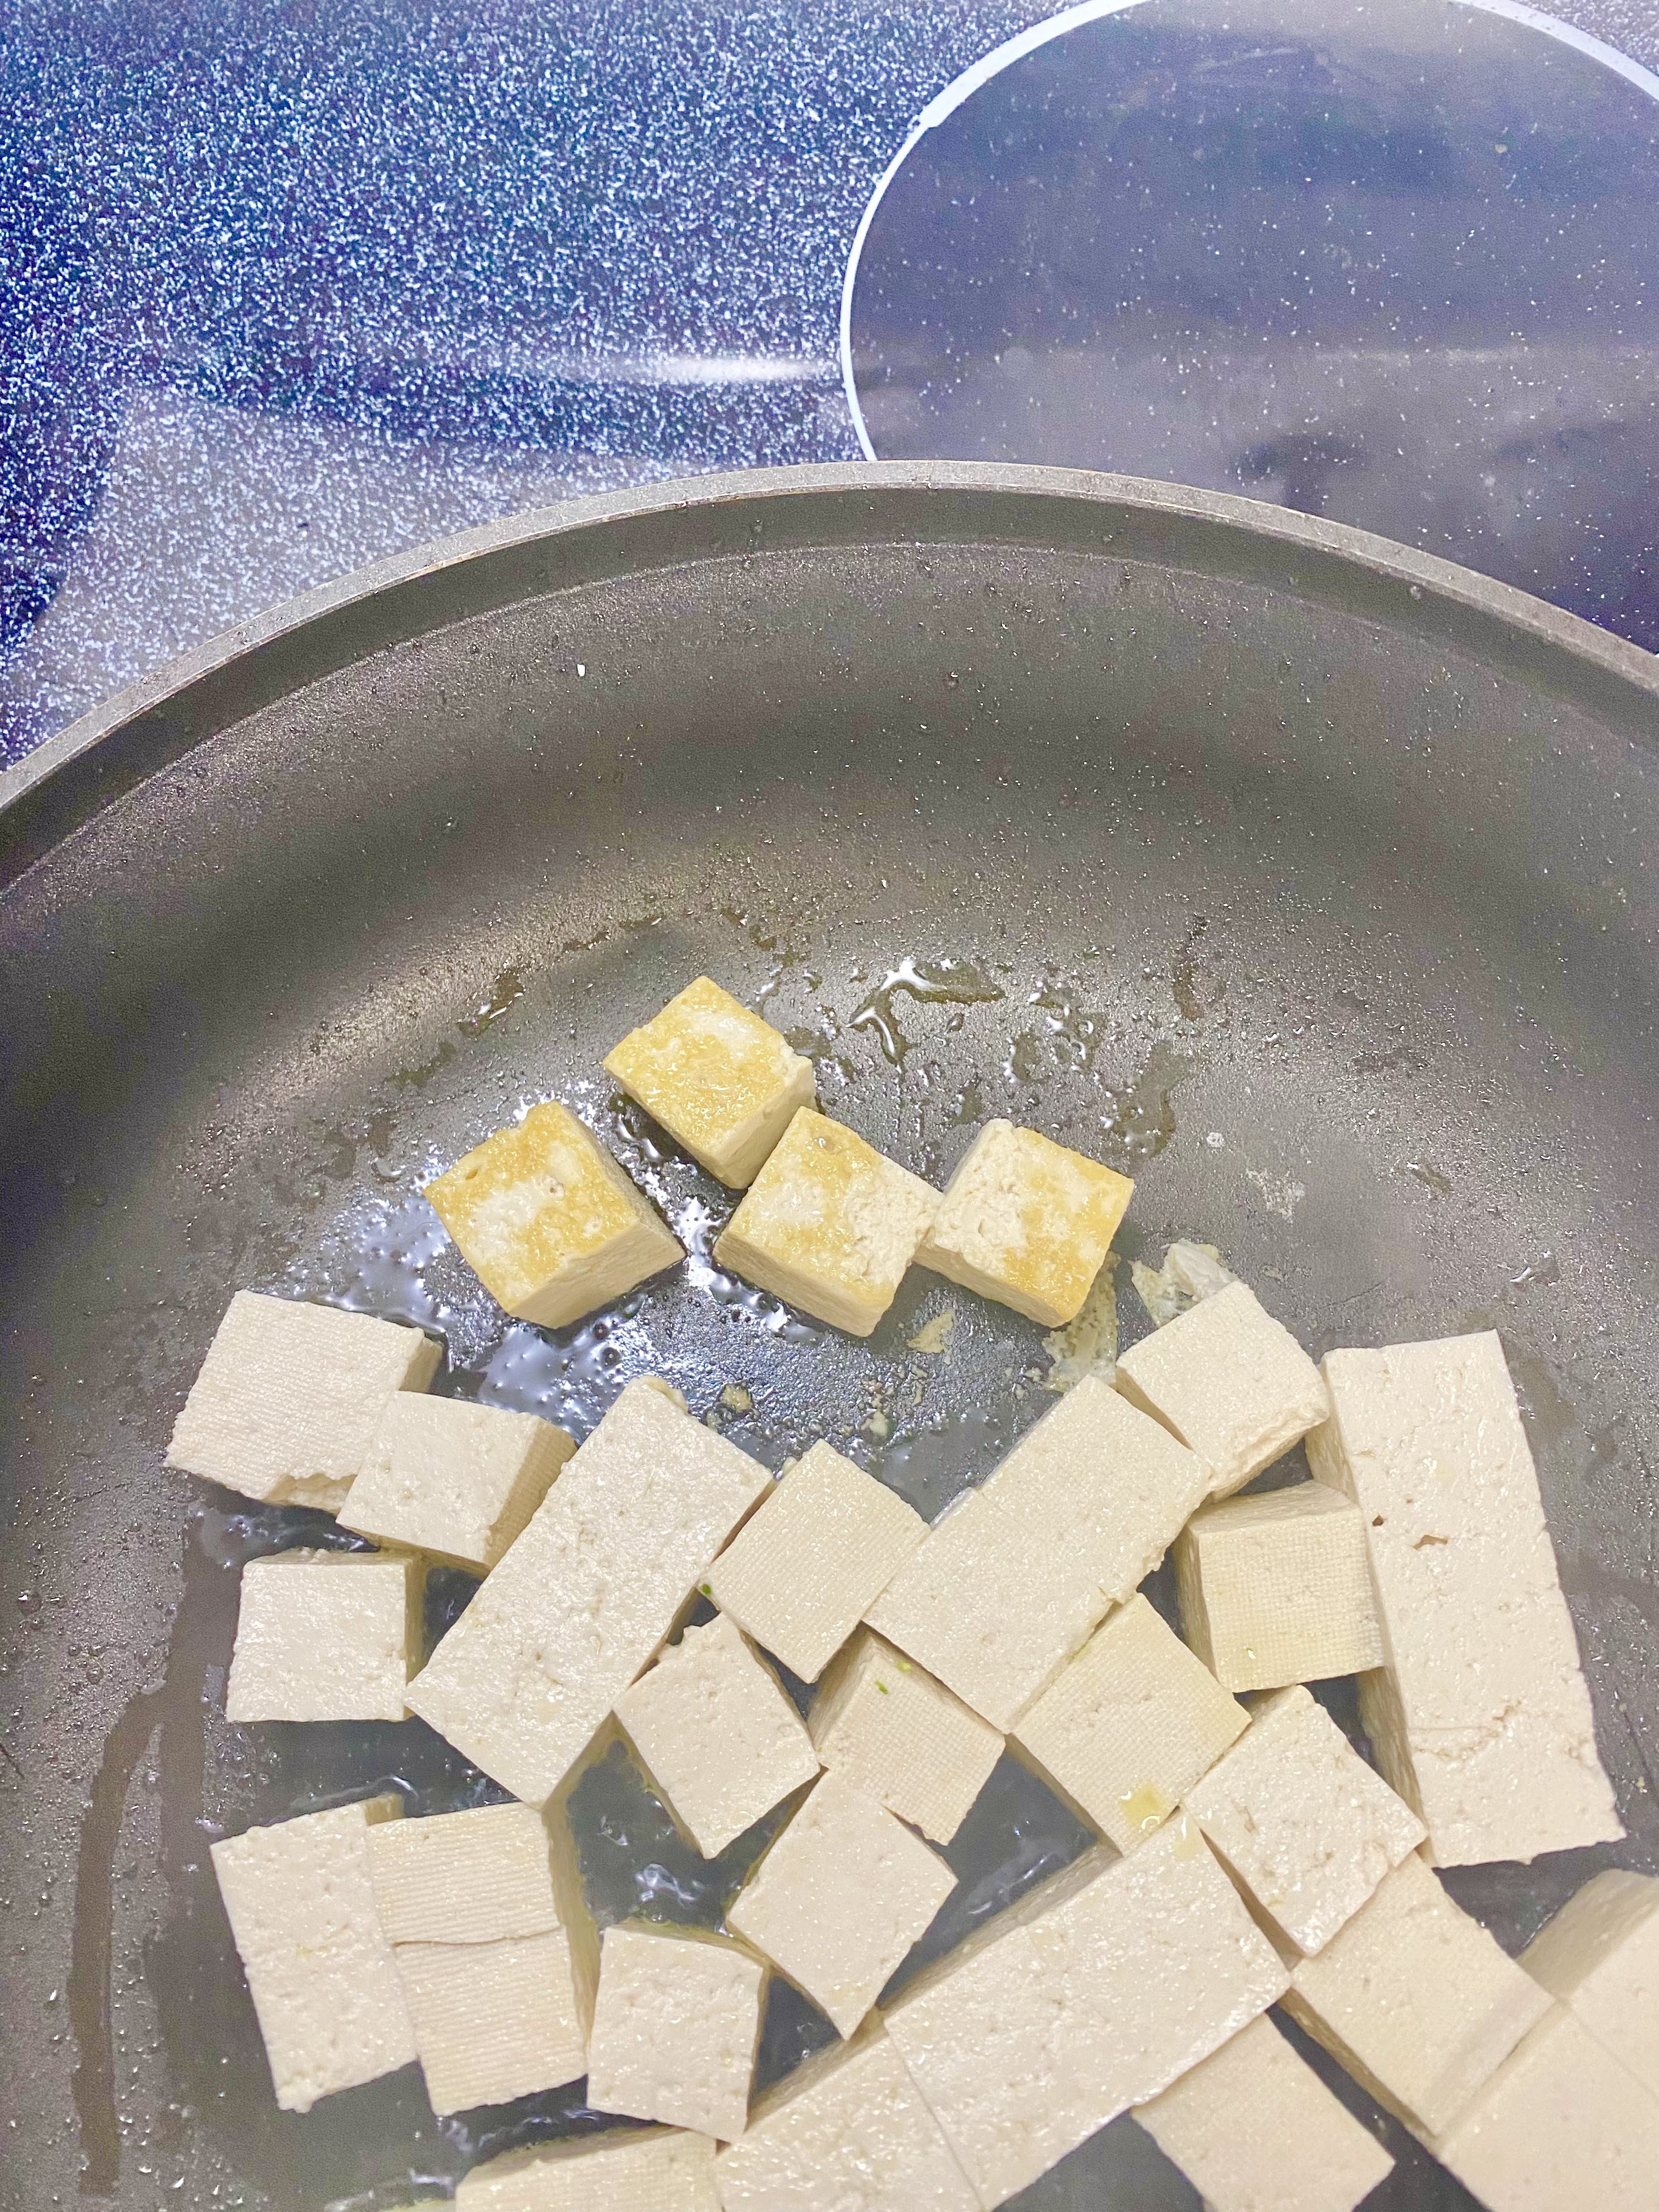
(801, 1573)
(1015, 1579)
(289, 1396)
(882, 1723)
(493, 2022)
(621, 2169)
(1255, 2129)
(1416, 2000)
(675, 2028)
(319, 1970)
(1600, 1955)
(1307, 1828)
(847, 2131)
(721, 1081)
(1275, 1588)
(470, 1877)
(1124, 1731)
(1230, 1380)
(1027, 1222)
(1479, 1714)
(580, 1601)
(324, 1636)
(453, 1480)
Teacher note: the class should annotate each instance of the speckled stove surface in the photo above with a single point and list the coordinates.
(283, 289)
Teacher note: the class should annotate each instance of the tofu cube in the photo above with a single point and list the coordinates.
(324, 1636)
(455, 1481)
(321, 1974)
(548, 1222)
(1027, 1222)
(1274, 1589)
(721, 1081)
(675, 2028)
(621, 2169)
(1416, 2000)
(1561, 2126)
(289, 1396)
(1478, 1708)
(582, 1600)
(1124, 1731)
(1015, 1578)
(1255, 2129)
(1600, 1955)
(492, 2020)
(884, 1725)
(828, 1224)
(839, 1899)
(1230, 1380)
(721, 1740)
(1308, 1829)
(848, 2128)
(801, 1574)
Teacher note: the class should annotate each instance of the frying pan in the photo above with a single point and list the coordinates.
(1304, 876)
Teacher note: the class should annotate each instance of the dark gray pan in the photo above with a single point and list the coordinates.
(1314, 877)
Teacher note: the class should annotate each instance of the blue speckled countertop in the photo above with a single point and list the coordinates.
(287, 288)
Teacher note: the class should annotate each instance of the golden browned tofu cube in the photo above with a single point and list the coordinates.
(721, 1081)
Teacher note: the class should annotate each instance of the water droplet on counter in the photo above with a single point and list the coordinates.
(28, 1602)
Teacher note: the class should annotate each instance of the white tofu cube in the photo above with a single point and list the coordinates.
(802, 1572)
(1015, 1578)
(548, 1222)
(1274, 1589)
(1092, 1993)
(1124, 1731)
(839, 1899)
(1255, 2129)
(721, 1081)
(675, 2028)
(1415, 1999)
(1478, 1711)
(828, 1224)
(621, 2169)
(580, 1601)
(719, 1737)
(884, 1725)
(1561, 2126)
(1230, 1380)
(290, 1394)
(478, 1876)
(324, 1636)
(848, 2128)
(1027, 1222)
(1600, 1956)
(493, 2022)
(320, 1972)
(455, 1481)
(1308, 1829)
(1190, 1272)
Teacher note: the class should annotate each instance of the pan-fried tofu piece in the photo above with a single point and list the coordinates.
(721, 1081)
(1600, 1956)
(455, 1481)
(1255, 2129)
(1561, 2126)
(719, 1737)
(1230, 1380)
(324, 1636)
(1015, 1578)
(548, 1222)
(828, 1224)
(584, 1597)
(290, 1394)
(883, 1724)
(1478, 1711)
(848, 2128)
(1124, 1732)
(799, 1575)
(675, 2028)
(839, 1899)
(1027, 1222)
(621, 2169)
(1306, 1827)
(319, 1970)
(1415, 1999)
(1274, 1589)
